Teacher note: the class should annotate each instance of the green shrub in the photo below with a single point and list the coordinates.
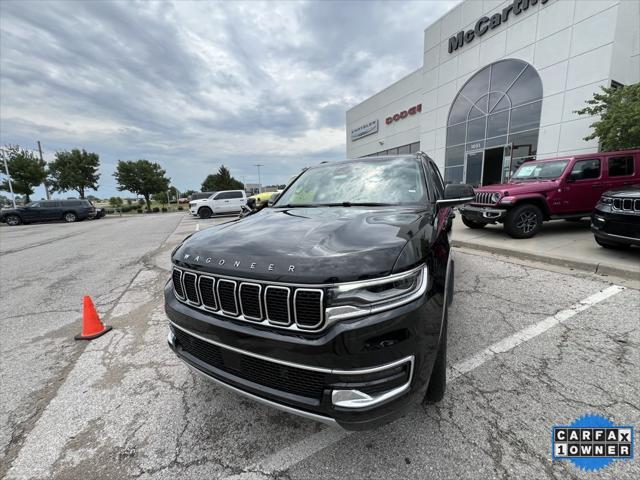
(156, 209)
(180, 208)
(139, 210)
(164, 209)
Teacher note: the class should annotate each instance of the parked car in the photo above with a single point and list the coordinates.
(261, 200)
(333, 303)
(99, 213)
(48, 210)
(226, 201)
(200, 195)
(542, 190)
(615, 222)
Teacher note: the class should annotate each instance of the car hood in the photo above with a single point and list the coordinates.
(520, 188)
(632, 191)
(304, 245)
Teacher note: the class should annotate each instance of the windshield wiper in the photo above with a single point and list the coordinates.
(357, 204)
(296, 205)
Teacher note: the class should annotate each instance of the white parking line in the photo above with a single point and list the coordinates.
(299, 451)
(197, 227)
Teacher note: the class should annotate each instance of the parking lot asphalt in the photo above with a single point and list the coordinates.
(528, 348)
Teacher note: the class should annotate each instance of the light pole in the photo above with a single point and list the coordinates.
(259, 179)
(6, 169)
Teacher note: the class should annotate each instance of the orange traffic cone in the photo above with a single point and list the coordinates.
(92, 327)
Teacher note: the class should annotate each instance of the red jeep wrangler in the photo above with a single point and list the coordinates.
(541, 190)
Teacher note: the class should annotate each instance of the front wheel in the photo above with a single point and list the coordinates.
(472, 223)
(13, 220)
(70, 217)
(612, 245)
(523, 221)
(205, 212)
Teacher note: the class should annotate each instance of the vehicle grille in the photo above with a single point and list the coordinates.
(627, 205)
(484, 197)
(282, 306)
(622, 229)
(277, 301)
(177, 283)
(308, 307)
(298, 381)
(189, 286)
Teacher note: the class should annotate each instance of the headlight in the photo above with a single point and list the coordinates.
(356, 299)
(495, 197)
(606, 200)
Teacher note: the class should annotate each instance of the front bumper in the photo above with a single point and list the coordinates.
(483, 214)
(623, 228)
(357, 374)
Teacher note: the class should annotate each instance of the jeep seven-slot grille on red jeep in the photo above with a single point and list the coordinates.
(292, 307)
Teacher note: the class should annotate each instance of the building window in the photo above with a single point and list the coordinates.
(403, 150)
(498, 108)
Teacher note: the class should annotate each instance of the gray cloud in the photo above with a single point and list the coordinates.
(195, 85)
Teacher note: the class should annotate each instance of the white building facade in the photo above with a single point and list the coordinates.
(500, 84)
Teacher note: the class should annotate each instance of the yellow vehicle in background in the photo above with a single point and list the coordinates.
(260, 200)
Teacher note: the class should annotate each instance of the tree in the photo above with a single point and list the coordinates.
(161, 198)
(187, 193)
(75, 170)
(221, 181)
(141, 177)
(618, 127)
(25, 169)
(115, 201)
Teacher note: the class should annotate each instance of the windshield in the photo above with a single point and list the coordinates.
(374, 182)
(540, 170)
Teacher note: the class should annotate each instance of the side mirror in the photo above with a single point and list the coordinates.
(456, 194)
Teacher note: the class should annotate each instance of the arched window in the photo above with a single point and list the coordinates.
(494, 118)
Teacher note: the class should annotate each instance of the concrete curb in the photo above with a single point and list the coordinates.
(590, 267)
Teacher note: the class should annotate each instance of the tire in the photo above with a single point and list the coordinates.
(611, 245)
(523, 221)
(13, 220)
(472, 223)
(205, 212)
(70, 217)
(438, 380)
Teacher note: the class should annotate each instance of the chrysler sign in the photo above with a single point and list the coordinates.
(363, 130)
(485, 23)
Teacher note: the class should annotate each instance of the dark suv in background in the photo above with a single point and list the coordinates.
(48, 210)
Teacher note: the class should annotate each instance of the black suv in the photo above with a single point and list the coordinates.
(48, 210)
(331, 304)
(615, 222)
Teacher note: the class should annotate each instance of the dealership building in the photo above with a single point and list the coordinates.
(500, 84)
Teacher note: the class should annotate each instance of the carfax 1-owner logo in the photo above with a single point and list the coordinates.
(592, 442)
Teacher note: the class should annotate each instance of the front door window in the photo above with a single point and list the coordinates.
(474, 169)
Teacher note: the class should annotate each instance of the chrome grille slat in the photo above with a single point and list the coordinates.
(484, 197)
(277, 306)
(189, 287)
(226, 290)
(255, 302)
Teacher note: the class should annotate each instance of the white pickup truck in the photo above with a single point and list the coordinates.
(226, 201)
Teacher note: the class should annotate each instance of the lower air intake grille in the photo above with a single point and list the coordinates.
(297, 381)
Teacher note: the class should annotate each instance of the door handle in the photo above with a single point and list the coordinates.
(596, 185)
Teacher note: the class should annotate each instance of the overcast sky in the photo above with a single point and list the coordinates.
(196, 85)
